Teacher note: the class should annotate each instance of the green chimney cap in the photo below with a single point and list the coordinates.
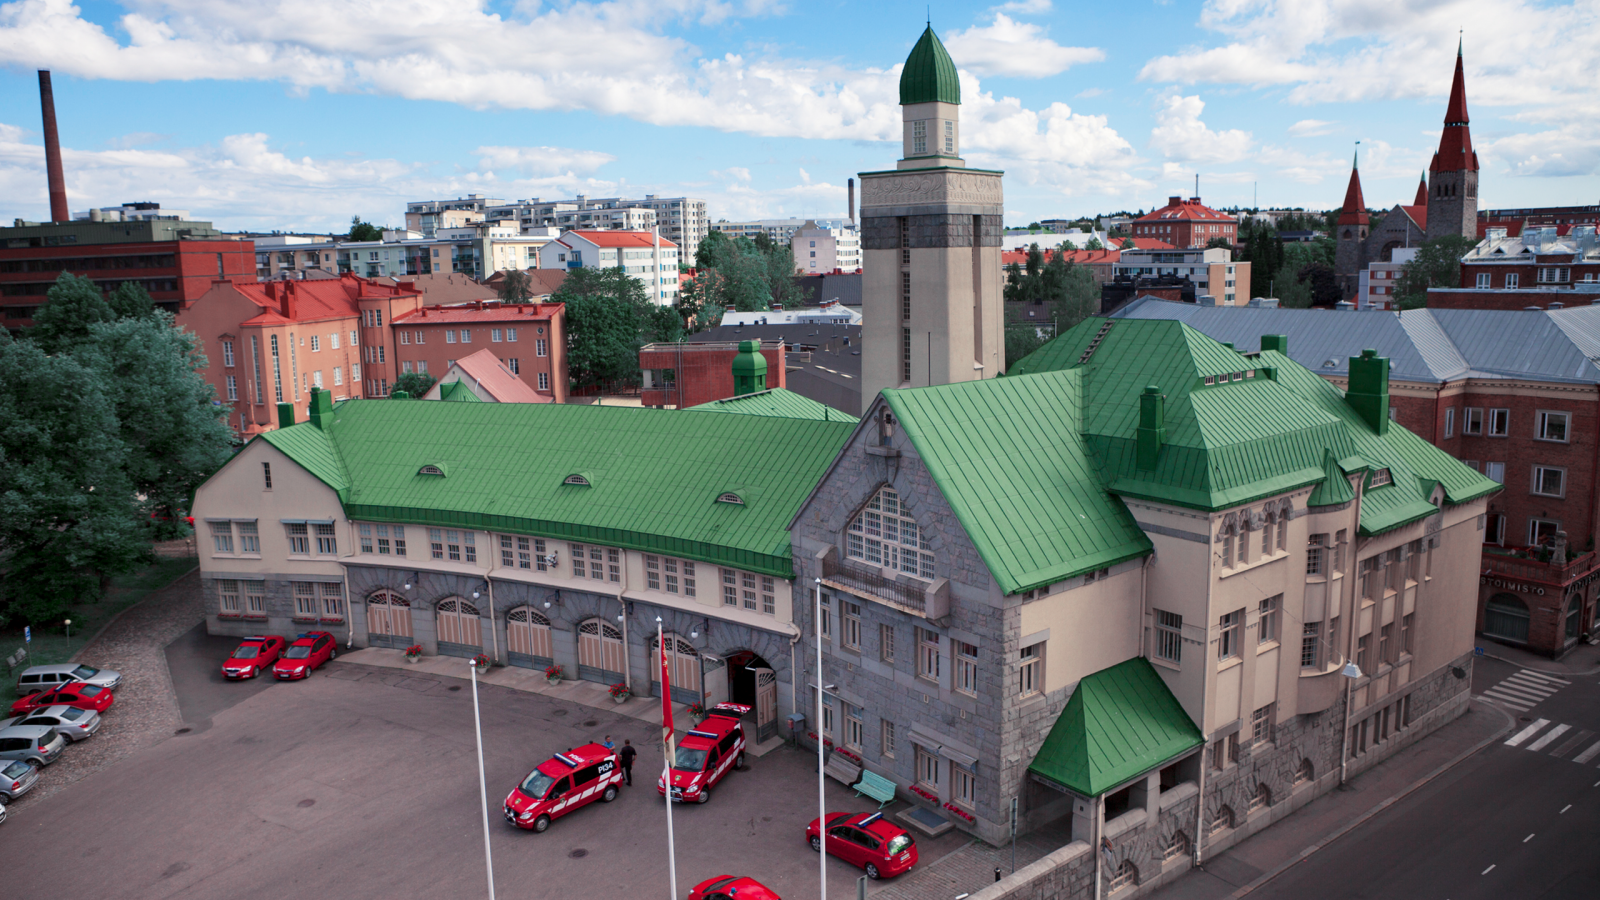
(929, 75)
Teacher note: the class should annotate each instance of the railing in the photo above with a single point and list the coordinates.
(911, 597)
(1533, 570)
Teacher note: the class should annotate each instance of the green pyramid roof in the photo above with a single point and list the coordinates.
(929, 74)
(1334, 489)
(1120, 723)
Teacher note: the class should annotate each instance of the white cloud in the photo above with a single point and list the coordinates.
(1017, 49)
(1311, 128)
(12, 134)
(732, 173)
(1180, 135)
(1026, 7)
(1573, 149)
(541, 160)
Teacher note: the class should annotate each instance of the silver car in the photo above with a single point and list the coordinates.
(41, 678)
(17, 778)
(74, 724)
(38, 744)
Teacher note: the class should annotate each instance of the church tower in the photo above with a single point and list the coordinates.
(1350, 256)
(930, 235)
(1453, 177)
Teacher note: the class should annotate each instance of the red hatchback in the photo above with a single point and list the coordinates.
(253, 655)
(867, 840)
(78, 693)
(309, 651)
(562, 784)
(732, 887)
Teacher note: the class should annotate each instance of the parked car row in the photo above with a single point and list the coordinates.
(262, 653)
(61, 704)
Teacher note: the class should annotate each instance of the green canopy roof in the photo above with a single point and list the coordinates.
(1120, 723)
(458, 391)
(929, 74)
(776, 402)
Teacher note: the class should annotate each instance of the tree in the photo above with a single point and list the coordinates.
(1219, 243)
(515, 287)
(743, 274)
(415, 384)
(1094, 244)
(607, 313)
(131, 301)
(1322, 281)
(363, 231)
(1068, 246)
(1437, 264)
(1128, 244)
(71, 306)
(1286, 285)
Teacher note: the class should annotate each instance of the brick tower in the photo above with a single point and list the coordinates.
(1453, 176)
(930, 236)
(1350, 257)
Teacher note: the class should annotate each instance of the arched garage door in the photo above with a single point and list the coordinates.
(600, 652)
(1506, 617)
(460, 629)
(528, 638)
(683, 667)
(388, 621)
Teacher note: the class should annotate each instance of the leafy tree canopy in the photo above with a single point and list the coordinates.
(609, 316)
(515, 287)
(1437, 264)
(413, 383)
(363, 231)
(71, 306)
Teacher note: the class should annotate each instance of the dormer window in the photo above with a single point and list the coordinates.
(431, 470)
(1211, 379)
(1380, 478)
(576, 478)
(731, 497)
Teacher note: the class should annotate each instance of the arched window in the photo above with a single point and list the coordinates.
(1177, 845)
(1505, 616)
(884, 534)
(430, 470)
(730, 497)
(1222, 819)
(1306, 774)
(1262, 797)
(1127, 875)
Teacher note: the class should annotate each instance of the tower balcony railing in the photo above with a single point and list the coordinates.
(929, 600)
(1523, 565)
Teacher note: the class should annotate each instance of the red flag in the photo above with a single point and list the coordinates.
(666, 692)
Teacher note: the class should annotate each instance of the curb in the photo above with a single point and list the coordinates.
(132, 606)
(1364, 817)
(1567, 672)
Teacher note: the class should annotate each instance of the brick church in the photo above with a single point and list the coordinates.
(1446, 200)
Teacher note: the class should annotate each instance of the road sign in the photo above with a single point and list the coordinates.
(27, 634)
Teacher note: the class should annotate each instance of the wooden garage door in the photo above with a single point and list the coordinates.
(528, 638)
(683, 667)
(600, 652)
(388, 620)
(460, 629)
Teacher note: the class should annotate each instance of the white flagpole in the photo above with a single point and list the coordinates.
(666, 769)
(483, 789)
(822, 803)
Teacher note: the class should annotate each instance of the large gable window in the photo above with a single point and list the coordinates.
(885, 534)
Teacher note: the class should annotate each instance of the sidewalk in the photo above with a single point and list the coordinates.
(1249, 865)
(1584, 659)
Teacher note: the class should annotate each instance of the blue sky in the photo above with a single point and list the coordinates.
(296, 114)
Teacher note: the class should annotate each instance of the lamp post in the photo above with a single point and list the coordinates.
(822, 805)
(69, 629)
(483, 787)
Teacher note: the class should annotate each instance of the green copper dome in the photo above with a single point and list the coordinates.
(929, 75)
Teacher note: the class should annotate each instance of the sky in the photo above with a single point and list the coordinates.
(297, 114)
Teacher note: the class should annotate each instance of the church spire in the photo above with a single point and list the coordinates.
(1422, 191)
(1455, 143)
(1355, 207)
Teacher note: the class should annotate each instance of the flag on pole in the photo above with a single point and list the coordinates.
(666, 693)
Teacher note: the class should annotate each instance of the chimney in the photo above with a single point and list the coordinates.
(52, 151)
(1174, 200)
(285, 415)
(1278, 342)
(749, 369)
(288, 300)
(1368, 390)
(850, 183)
(1152, 431)
(321, 406)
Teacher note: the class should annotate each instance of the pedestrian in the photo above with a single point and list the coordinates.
(627, 755)
(609, 745)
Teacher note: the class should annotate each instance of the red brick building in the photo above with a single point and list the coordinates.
(1513, 220)
(681, 375)
(1185, 224)
(529, 339)
(1547, 266)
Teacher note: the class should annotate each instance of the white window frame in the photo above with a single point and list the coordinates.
(927, 768)
(1513, 280)
(1450, 422)
(849, 625)
(1548, 416)
(1533, 528)
(966, 673)
(1169, 637)
(1270, 613)
(1536, 485)
(221, 538)
(1472, 421)
(1030, 670)
(1230, 627)
(1498, 423)
(1483, 280)
(299, 535)
(1311, 645)
(928, 651)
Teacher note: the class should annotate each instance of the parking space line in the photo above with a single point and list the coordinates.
(1517, 739)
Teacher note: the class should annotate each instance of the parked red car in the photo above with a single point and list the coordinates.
(309, 651)
(732, 887)
(252, 656)
(78, 693)
(562, 784)
(706, 754)
(867, 840)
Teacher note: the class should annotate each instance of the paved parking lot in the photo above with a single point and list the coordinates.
(363, 782)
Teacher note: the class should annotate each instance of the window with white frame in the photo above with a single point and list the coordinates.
(886, 738)
(544, 381)
(963, 787)
(327, 541)
(927, 768)
(769, 595)
(1450, 422)
(1169, 636)
(1549, 481)
(249, 537)
(1542, 530)
(221, 537)
(1228, 627)
(827, 717)
(927, 654)
(466, 335)
(1317, 554)
(1499, 422)
(228, 590)
(747, 592)
(1030, 670)
(495, 335)
(332, 596)
(305, 600)
(333, 341)
(597, 558)
(316, 344)
(1310, 645)
(1495, 471)
(1261, 725)
(511, 335)
(919, 138)
(1553, 426)
(854, 732)
(1472, 420)
(1483, 280)
(1270, 611)
(886, 642)
(227, 354)
(233, 387)
(966, 674)
(849, 625)
(449, 335)
(1513, 279)
(514, 364)
(885, 534)
(299, 534)
(541, 347)
(255, 599)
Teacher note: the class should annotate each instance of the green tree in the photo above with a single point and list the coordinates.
(1219, 243)
(415, 384)
(1022, 336)
(1322, 281)
(1437, 264)
(131, 301)
(363, 231)
(1128, 244)
(71, 306)
(608, 313)
(714, 249)
(1291, 292)
(1068, 246)
(1094, 244)
(515, 287)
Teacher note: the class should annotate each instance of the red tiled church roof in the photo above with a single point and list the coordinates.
(1455, 143)
(1354, 211)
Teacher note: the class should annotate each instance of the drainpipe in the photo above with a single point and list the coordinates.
(627, 662)
(1099, 830)
(1205, 669)
(344, 586)
(1349, 644)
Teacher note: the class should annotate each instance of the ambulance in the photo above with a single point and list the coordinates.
(706, 754)
(562, 784)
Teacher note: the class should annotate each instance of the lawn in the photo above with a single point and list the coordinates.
(52, 645)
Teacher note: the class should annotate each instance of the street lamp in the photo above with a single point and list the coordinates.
(483, 787)
(822, 803)
(69, 629)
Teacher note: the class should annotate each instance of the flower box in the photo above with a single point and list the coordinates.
(848, 755)
(619, 691)
(307, 620)
(968, 817)
(255, 617)
(228, 615)
(924, 793)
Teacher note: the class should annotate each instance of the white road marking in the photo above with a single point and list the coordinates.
(1488, 870)
(1529, 673)
(1549, 737)
(1517, 689)
(1565, 808)
(1517, 739)
(1527, 839)
(1516, 703)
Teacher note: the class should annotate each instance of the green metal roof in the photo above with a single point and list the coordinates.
(458, 391)
(654, 475)
(1120, 723)
(1233, 442)
(929, 74)
(1334, 489)
(776, 402)
(1008, 457)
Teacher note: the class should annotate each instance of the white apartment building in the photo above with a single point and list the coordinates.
(1378, 280)
(478, 250)
(646, 256)
(826, 314)
(1213, 271)
(821, 248)
(681, 220)
(428, 216)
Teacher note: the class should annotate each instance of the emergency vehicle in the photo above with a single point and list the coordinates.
(564, 783)
(706, 754)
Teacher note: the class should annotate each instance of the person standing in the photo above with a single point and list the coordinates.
(626, 756)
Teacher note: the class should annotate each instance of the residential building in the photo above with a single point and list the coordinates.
(1380, 279)
(822, 361)
(1512, 394)
(1137, 561)
(648, 257)
(681, 220)
(1538, 267)
(1513, 220)
(822, 248)
(1211, 271)
(1186, 224)
(428, 216)
(478, 250)
(780, 231)
(529, 339)
(931, 232)
(829, 313)
(482, 377)
(681, 375)
(175, 261)
(492, 528)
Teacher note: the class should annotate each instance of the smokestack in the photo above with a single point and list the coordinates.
(852, 183)
(52, 151)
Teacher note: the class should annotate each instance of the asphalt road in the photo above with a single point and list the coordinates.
(1510, 822)
(363, 782)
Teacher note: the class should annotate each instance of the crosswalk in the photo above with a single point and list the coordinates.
(1523, 690)
(1560, 740)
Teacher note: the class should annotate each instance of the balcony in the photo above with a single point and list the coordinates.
(1524, 565)
(919, 598)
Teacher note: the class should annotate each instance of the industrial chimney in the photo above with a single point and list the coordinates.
(852, 183)
(52, 151)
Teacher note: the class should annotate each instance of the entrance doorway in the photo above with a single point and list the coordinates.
(460, 628)
(600, 651)
(1506, 617)
(388, 620)
(528, 638)
(683, 667)
(753, 683)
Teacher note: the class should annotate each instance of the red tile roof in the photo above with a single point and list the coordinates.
(1150, 243)
(1178, 208)
(479, 312)
(1419, 214)
(1354, 211)
(484, 369)
(312, 301)
(619, 238)
(1081, 257)
(1422, 192)
(1455, 142)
